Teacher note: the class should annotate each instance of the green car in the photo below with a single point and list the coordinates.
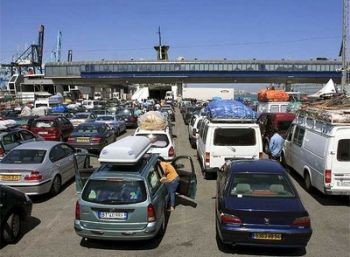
(123, 199)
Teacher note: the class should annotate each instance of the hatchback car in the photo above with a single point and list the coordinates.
(37, 168)
(52, 128)
(124, 199)
(257, 204)
(15, 207)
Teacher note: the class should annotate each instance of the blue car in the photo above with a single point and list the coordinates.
(257, 205)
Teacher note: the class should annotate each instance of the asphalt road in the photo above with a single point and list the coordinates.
(190, 229)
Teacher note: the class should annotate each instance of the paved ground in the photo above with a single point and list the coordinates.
(190, 230)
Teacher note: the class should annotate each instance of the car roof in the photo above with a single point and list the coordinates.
(48, 117)
(80, 113)
(256, 166)
(39, 145)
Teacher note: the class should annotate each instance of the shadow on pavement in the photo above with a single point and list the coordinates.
(183, 200)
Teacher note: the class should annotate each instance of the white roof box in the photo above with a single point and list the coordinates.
(127, 150)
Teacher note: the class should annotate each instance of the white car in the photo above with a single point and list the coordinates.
(193, 129)
(162, 142)
(82, 117)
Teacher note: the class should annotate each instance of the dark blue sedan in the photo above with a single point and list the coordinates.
(257, 205)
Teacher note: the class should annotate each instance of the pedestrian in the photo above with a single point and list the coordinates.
(276, 145)
(171, 181)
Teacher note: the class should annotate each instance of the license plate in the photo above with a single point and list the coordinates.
(343, 183)
(43, 132)
(10, 177)
(267, 236)
(113, 215)
(83, 140)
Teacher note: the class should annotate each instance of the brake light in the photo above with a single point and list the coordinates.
(302, 222)
(151, 214)
(228, 218)
(77, 211)
(70, 140)
(2, 152)
(328, 176)
(96, 140)
(171, 152)
(207, 158)
(34, 176)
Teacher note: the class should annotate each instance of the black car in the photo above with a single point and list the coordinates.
(129, 116)
(15, 207)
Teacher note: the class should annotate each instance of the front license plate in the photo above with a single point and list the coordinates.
(113, 215)
(10, 177)
(267, 236)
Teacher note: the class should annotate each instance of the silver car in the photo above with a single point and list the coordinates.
(37, 168)
(118, 125)
(82, 117)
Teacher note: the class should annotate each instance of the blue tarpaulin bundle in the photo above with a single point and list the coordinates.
(59, 108)
(229, 109)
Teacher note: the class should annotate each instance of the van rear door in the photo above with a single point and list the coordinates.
(341, 160)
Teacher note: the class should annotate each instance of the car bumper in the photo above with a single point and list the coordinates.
(293, 238)
(332, 191)
(32, 188)
(88, 147)
(150, 231)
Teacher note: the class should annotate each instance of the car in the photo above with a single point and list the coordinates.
(123, 198)
(12, 137)
(129, 116)
(118, 125)
(169, 110)
(193, 129)
(38, 168)
(162, 142)
(24, 121)
(15, 207)
(67, 115)
(257, 205)
(91, 136)
(189, 112)
(81, 117)
(53, 128)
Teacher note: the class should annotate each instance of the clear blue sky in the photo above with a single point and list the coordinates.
(202, 29)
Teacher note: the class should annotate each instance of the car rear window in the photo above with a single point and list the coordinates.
(343, 153)
(43, 123)
(24, 156)
(89, 129)
(81, 116)
(114, 191)
(234, 137)
(157, 140)
(260, 185)
(105, 118)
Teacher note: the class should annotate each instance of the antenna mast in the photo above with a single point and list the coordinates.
(345, 65)
(160, 43)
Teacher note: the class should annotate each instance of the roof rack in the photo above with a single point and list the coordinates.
(231, 120)
(333, 117)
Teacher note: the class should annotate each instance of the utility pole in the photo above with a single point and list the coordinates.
(345, 64)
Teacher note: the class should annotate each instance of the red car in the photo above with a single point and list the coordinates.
(52, 128)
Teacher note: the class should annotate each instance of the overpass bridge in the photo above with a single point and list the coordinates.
(106, 73)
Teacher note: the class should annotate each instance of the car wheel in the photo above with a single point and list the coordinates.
(11, 228)
(307, 181)
(56, 185)
(266, 147)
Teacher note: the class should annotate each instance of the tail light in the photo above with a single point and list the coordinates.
(207, 158)
(77, 211)
(231, 219)
(96, 140)
(151, 214)
(171, 152)
(2, 152)
(34, 176)
(70, 140)
(328, 176)
(302, 222)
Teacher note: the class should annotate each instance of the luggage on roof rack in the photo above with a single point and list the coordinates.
(229, 110)
(335, 117)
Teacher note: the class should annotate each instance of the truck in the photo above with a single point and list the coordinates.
(207, 91)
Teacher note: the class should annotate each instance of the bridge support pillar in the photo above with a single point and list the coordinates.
(288, 86)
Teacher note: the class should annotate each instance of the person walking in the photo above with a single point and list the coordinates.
(171, 181)
(276, 145)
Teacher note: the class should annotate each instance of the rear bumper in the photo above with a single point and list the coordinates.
(293, 238)
(129, 124)
(88, 147)
(32, 188)
(332, 191)
(150, 231)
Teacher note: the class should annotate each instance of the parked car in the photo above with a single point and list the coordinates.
(37, 168)
(124, 198)
(15, 207)
(92, 136)
(257, 205)
(13, 137)
(82, 117)
(170, 111)
(24, 121)
(268, 122)
(189, 112)
(193, 129)
(129, 116)
(53, 128)
(118, 125)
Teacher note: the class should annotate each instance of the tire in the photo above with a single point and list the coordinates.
(307, 182)
(266, 147)
(11, 228)
(56, 185)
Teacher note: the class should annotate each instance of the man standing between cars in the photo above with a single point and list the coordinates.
(276, 145)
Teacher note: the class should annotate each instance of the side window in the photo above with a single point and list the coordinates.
(68, 150)
(57, 153)
(8, 139)
(298, 136)
(25, 135)
(205, 134)
(153, 179)
(199, 124)
(290, 133)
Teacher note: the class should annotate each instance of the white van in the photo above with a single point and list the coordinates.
(220, 140)
(271, 107)
(320, 152)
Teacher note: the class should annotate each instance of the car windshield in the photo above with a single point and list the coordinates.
(24, 156)
(81, 116)
(260, 185)
(43, 123)
(157, 140)
(105, 118)
(114, 191)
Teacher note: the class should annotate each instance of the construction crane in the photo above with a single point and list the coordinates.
(56, 54)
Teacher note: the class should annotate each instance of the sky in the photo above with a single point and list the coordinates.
(202, 29)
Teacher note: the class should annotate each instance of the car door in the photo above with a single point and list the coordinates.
(85, 164)
(58, 157)
(10, 141)
(26, 136)
(188, 180)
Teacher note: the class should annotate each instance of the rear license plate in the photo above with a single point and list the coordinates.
(343, 183)
(10, 177)
(83, 140)
(43, 132)
(113, 215)
(267, 236)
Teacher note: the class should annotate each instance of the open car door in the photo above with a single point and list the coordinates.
(188, 180)
(85, 165)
